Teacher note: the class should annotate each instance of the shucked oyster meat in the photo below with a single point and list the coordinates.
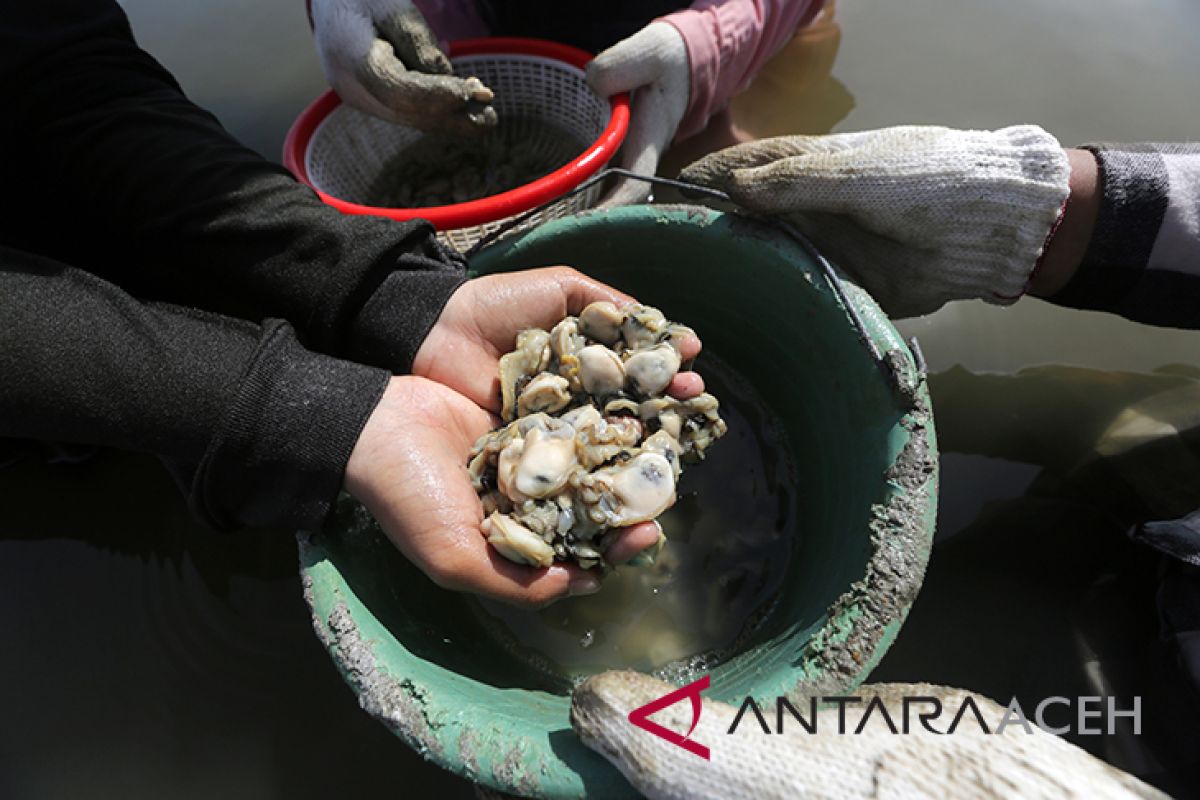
(591, 441)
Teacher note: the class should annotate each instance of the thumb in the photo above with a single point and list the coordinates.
(634, 62)
(414, 41)
(649, 133)
(716, 170)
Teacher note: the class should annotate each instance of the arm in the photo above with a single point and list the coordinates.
(683, 68)
(1134, 248)
(259, 431)
(728, 42)
(256, 429)
(922, 215)
(152, 194)
(1069, 240)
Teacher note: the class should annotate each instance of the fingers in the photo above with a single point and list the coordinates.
(777, 175)
(715, 169)
(625, 66)
(414, 42)
(626, 192)
(373, 74)
(650, 131)
(631, 541)
(428, 102)
(580, 291)
(536, 298)
(474, 566)
(688, 345)
(686, 385)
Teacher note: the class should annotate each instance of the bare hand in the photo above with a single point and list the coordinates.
(483, 318)
(409, 469)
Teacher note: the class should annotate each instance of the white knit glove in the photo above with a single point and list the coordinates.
(874, 763)
(381, 57)
(653, 64)
(917, 215)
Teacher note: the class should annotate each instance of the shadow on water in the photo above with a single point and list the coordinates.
(146, 656)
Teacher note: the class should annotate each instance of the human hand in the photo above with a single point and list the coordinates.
(409, 469)
(653, 64)
(483, 317)
(381, 57)
(917, 215)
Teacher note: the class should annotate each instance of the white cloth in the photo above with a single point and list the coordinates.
(874, 763)
(653, 65)
(381, 57)
(918, 215)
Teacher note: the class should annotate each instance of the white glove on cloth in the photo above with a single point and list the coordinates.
(653, 65)
(381, 57)
(917, 215)
(876, 763)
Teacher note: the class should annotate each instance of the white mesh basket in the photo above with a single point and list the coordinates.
(545, 97)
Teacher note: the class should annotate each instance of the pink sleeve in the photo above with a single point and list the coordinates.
(449, 19)
(728, 42)
(452, 19)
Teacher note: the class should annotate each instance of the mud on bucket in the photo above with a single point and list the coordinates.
(864, 481)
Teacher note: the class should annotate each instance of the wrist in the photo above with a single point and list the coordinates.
(1069, 241)
(282, 447)
(361, 466)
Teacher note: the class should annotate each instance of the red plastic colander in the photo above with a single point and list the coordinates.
(340, 151)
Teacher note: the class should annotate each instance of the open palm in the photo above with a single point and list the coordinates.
(481, 321)
(409, 469)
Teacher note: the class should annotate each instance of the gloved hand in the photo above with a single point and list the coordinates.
(873, 763)
(653, 65)
(917, 215)
(381, 57)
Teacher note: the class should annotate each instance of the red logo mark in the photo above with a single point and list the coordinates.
(640, 717)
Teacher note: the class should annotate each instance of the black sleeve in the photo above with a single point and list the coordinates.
(256, 429)
(109, 167)
(1143, 261)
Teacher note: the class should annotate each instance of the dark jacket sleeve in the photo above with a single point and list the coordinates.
(255, 428)
(111, 168)
(1144, 258)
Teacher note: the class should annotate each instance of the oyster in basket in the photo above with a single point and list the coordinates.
(592, 442)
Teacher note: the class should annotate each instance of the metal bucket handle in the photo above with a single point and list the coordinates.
(900, 384)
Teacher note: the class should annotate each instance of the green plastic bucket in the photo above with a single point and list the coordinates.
(856, 415)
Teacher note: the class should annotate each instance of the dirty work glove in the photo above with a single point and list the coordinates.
(874, 763)
(381, 57)
(917, 215)
(653, 65)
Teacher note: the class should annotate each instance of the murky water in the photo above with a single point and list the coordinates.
(729, 538)
(146, 657)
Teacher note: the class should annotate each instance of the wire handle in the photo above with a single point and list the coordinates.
(899, 383)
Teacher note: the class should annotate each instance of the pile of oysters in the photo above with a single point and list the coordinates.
(592, 441)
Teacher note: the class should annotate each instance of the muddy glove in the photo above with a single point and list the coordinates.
(917, 215)
(653, 65)
(381, 57)
(874, 763)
